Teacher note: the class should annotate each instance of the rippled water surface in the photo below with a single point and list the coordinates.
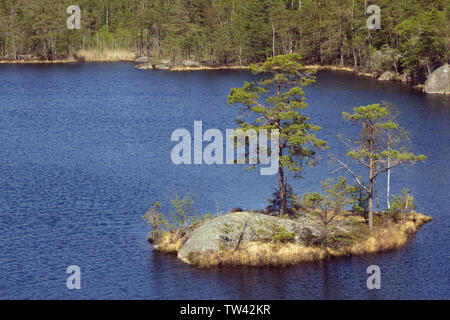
(86, 150)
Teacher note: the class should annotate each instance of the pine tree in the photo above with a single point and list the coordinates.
(297, 138)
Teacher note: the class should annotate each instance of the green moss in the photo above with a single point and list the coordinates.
(282, 235)
(227, 228)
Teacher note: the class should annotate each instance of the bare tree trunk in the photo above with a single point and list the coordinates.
(281, 181)
(371, 178)
(371, 204)
(329, 40)
(395, 63)
(273, 40)
(241, 236)
(428, 67)
(240, 53)
(281, 185)
(388, 187)
(355, 59)
(406, 208)
(360, 57)
(377, 200)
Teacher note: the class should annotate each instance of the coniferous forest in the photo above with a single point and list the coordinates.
(414, 34)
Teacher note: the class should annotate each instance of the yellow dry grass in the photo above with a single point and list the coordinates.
(338, 68)
(261, 254)
(200, 68)
(389, 235)
(88, 55)
(70, 60)
(91, 55)
(168, 242)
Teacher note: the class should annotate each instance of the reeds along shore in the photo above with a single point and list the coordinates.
(86, 55)
(105, 55)
(387, 235)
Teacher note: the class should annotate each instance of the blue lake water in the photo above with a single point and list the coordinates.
(85, 150)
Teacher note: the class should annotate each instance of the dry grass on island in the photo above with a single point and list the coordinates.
(387, 234)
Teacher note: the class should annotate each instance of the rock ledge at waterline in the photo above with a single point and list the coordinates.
(244, 238)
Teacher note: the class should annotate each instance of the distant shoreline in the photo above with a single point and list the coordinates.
(186, 68)
(37, 61)
(238, 67)
(60, 61)
(180, 68)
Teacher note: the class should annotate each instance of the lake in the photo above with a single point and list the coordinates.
(86, 151)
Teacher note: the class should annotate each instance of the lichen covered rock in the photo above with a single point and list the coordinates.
(387, 76)
(225, 232)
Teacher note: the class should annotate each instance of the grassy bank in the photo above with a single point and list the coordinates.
(386, 235)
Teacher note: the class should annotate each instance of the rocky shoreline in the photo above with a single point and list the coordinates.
(438, 82)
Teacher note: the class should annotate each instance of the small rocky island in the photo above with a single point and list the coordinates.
(256, 239)
(343, 219)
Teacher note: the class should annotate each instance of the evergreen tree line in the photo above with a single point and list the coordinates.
(415, 33)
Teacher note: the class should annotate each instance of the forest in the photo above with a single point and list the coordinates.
(413, 39)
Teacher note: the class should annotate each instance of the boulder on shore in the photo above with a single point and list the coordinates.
(387, 76)
(150, 66)
(439, 81)
(162, 67)
(141, 59)
(190, 63)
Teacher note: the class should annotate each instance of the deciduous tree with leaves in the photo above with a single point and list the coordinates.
(155, 219)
